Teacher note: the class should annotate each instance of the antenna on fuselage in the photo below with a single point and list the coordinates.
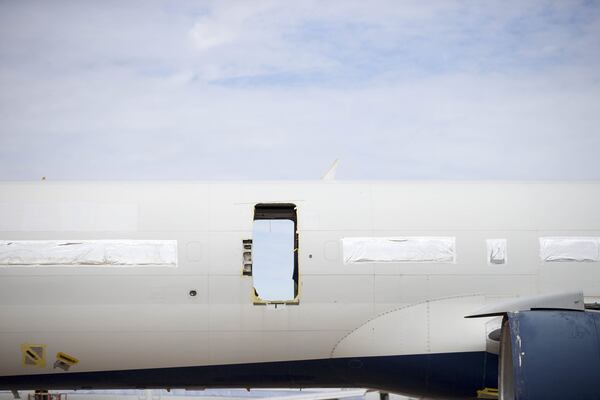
(330, 174)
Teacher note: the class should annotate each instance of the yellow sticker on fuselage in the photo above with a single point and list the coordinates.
(67, 358)
(33, 355)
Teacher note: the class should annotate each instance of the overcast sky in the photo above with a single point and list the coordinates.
(279, 89)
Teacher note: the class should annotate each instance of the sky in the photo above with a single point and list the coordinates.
(273, 259)
(277, 90)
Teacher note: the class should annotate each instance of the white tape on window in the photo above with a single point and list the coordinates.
(573, 249)
(496, 251)
(399, 249)
(88, 252)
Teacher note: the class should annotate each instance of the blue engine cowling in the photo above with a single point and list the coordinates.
(550, 354)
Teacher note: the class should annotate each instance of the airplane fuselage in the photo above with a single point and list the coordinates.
(391, 323)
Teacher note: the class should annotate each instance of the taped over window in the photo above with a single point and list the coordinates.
(399, 249)
(496, 251)
(88, 252)
(574, 249)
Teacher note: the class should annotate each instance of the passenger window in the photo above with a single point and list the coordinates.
(274, 254)
(496, 251)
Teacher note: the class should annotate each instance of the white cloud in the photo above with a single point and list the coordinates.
(206, 35)
(278, 90)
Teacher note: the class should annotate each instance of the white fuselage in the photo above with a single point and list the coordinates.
(141, 316)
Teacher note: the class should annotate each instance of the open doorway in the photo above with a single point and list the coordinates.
(275, 253)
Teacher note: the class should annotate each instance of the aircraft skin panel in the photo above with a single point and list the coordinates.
(143, 317)
(436, 326)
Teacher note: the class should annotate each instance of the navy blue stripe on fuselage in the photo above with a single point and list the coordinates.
(448, 375)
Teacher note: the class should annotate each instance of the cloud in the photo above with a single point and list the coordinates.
(309, 41)
(271, 90)
(206, 36)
